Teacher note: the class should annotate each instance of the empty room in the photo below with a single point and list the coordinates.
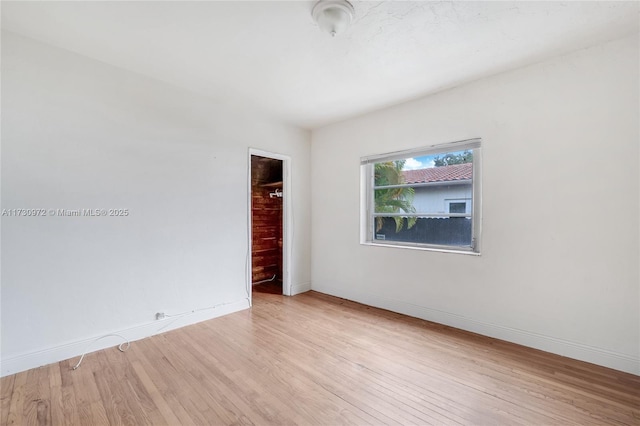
(320, 212)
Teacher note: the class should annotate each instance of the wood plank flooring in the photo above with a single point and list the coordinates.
(314, 359)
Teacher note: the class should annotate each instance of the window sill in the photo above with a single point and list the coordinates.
(422, 248)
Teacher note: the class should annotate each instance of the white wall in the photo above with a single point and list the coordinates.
(77, 133)
(559, 265)
(434, 199)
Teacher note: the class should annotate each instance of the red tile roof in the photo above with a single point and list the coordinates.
(439, 174)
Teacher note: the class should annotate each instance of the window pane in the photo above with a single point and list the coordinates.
(442, 197)
(394, 200)
(454, 231)
(389, 173)
(415, 196)
(457, 207)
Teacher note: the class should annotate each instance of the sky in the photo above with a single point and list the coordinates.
(419, 162)
(425, 161)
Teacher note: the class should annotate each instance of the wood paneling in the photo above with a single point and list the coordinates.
(317, 359)
(266, 223)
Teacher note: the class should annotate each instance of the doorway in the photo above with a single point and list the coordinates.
(268, 263)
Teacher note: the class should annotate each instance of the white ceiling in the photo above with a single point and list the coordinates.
(270, 54)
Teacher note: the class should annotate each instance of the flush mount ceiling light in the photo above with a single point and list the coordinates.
(333, 16)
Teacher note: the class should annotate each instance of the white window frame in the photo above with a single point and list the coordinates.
(367, 236)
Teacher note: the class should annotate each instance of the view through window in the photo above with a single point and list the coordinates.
(425, 198)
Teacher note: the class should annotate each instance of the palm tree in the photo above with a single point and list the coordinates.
(392, 200)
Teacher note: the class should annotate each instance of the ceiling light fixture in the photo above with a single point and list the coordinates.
(333, 16)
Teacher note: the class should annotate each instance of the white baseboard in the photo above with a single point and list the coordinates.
(300, 288)
(594, 355)
(50, 355)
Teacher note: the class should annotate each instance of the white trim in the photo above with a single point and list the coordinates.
(287, 218)
(368, 187)
(69, 350)
(424, 247)
(300, 288)
(595, 355)
(365, 205)
(431, 149)
(476, 201)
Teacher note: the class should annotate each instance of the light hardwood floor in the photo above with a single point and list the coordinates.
(316, 359)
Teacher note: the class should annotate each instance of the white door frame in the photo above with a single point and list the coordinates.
(287, 218)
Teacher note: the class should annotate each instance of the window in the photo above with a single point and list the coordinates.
(457, 207)
(426, 198)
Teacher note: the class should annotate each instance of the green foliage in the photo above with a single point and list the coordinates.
(453, 158)
(393, 200)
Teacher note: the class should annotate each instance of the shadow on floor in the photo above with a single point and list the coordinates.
(274, 287)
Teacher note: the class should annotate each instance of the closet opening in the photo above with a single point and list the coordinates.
(267, 224)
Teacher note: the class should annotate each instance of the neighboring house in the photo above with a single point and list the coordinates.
(445, 189)
(438, 190)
